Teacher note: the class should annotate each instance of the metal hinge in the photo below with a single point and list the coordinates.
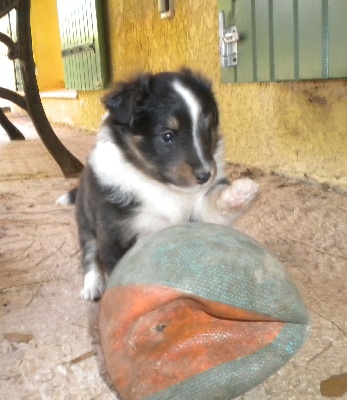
(80, 49)
(228, 39)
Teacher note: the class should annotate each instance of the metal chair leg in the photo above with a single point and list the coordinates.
(68, 163)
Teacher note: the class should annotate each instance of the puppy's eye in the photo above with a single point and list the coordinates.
(168, 136)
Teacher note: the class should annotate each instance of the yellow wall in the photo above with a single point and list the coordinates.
(299, 129)
(46, 44)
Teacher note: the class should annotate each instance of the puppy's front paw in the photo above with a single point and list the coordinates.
(237, 196)
(93, 285)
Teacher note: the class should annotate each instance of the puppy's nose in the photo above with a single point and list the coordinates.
(202, 177)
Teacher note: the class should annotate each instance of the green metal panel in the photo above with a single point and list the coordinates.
(337, 22)
(228, 74)
(281, 40)
(83, 48)
(261, 54)
(245, 72)
(310, 42)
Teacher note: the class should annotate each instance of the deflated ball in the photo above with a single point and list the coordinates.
(198, 311)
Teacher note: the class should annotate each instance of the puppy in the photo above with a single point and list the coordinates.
(158, 162)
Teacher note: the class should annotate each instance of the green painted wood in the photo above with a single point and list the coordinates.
(310, 43)
(337, 20)
(283, 40)
(100, 43)
(283, 36)
(83, 44)
(228, 74)
(325, 39)
(245, 59)
(262, 43)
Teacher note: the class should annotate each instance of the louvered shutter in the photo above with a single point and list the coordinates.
(83, 45)
(281, 40)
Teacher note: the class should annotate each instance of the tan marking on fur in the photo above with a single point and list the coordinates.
(172, 123)
(137, 139)
(137, 158)
(185, 174)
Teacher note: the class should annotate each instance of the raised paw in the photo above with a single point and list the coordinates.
(93, 285)
(237, 196)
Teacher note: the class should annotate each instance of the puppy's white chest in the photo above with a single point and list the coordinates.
(161, 210)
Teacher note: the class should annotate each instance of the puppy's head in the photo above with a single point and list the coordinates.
(167, 126)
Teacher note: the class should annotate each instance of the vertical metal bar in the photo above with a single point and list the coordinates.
(95, 65)
(283, 30)
(222, 44)
(296, 39)
(271, 41)
(68, 42)
(262, 40)
(325, 39)
(245, 59)
(337, 24)
(87, 58)
(91, 72)
(254, 42)
(100, 48)
(309, 39)
(63, 35)
(74, 57)
(82, 39)
(97, 37)
(233, 22)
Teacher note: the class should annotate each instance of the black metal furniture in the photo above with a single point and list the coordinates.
(31, 102)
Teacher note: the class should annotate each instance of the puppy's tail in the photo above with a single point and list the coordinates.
(68, 198)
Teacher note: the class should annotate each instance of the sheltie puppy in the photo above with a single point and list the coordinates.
(157, 162)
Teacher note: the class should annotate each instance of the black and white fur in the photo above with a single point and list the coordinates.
(157, 162)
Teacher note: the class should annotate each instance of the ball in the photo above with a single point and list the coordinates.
(198, 311)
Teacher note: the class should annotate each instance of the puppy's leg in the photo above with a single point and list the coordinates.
(225, 203)
(112, 245)
(93, 279)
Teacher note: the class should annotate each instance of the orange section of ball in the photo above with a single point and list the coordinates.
(155, 336)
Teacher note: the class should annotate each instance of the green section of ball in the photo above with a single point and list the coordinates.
(214, 262)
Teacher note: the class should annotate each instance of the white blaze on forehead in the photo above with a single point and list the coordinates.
(194, 111)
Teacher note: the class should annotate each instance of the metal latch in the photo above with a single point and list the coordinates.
(228, 39)
(166, 8)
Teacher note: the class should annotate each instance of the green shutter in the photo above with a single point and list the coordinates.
(83, 45)
(283, 40)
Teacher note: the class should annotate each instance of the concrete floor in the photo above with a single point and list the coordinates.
(48, 340)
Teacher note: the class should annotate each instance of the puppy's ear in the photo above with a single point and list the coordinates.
(126, 98)
(186, 71)
(195, 75)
